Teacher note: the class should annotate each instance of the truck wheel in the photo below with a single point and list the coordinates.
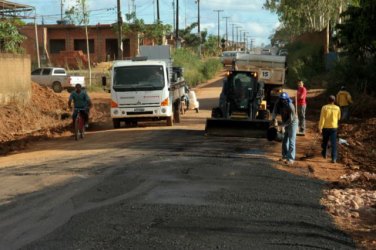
(177, 112)
(169, 121)
(56, 87)
(116, 123)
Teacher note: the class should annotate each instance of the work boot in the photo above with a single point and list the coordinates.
(323, 154)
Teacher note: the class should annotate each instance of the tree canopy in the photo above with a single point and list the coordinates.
(10, 38)
(298, 16)
(357, 35)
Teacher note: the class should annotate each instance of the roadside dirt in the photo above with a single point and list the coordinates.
(351, 194)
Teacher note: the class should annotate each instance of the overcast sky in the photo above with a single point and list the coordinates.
(247, 14)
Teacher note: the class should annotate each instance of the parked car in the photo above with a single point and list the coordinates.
(56, 78)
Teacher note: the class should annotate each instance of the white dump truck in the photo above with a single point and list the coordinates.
(271, 70)
(147, 88)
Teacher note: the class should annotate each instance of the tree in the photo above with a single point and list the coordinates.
(78, 13)
(357, 35)
(10, 38)
(305, 16)
(156, 31)
(211, 46)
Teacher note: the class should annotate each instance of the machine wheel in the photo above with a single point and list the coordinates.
(170, 121)
(177, 112)
(216, 113)
(56, 87)
(263, 115)
(116, 123)
(182, 107)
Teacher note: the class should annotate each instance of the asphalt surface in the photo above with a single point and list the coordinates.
(163, 188)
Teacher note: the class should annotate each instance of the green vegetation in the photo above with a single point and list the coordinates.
(357, 36)
(298, 17)
(196, 70)
(306, 63)
(10, 38)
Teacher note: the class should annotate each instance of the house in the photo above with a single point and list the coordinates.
(65, 44)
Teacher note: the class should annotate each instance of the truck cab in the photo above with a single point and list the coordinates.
(140, 91)
(147, 88)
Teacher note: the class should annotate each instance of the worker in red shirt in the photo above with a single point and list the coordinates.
(301, 96)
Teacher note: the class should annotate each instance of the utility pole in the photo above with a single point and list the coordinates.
(61, 9)
(226, 17)
(177, 24)
(158, 16)
(36, 37)
(252, 40)
(198, 27)
(120, 31)
(219, 38)
(245, 46)
(240, 39)
(237, 37)
(233, 41)
(173, 15)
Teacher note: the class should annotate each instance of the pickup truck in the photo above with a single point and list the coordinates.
(56, 78)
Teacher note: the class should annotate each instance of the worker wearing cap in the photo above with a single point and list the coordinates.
(328, 125)
(344, 100)
(301, 104)
(286, 109)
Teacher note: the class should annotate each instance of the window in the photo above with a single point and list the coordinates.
(59, 72)
(80, 44)
(57, 45)
(36, 72)
(139, 77)
(46, 72)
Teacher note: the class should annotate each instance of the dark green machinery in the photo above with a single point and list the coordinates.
(242, 109)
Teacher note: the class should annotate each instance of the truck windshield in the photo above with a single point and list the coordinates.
(130, 78)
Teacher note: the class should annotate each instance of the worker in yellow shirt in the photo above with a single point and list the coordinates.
(344, 100)
(328, 125)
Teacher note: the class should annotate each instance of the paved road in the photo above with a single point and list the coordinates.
(155, 187)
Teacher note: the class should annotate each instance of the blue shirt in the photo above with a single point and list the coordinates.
(80, 100)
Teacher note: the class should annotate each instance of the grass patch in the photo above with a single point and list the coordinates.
(196, 70)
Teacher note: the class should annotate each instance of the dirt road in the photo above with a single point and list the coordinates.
(162, 188)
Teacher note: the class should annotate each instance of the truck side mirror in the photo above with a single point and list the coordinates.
(104, 81)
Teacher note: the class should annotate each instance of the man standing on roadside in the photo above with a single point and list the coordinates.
(344, 100)
(301, 96)
(328, 125)
(285, 107)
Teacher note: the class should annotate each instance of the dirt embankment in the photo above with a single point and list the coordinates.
(46, 116)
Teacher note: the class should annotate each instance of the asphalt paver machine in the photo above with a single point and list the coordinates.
(242, 110)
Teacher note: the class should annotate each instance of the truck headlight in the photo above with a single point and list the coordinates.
(163, 110)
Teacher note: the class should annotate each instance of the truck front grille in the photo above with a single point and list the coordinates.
(140, 113)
